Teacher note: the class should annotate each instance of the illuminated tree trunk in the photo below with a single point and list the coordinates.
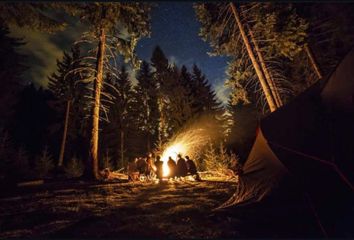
(262, 80)
(96, 108)
(313, 61)
(267, 75)
(63, 142)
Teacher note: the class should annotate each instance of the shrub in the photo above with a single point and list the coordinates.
(75, 167)
(217, 159)
(44, 163)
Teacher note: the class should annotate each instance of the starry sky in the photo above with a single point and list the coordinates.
(174, 28)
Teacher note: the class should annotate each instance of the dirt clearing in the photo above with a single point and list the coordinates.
(171, 209)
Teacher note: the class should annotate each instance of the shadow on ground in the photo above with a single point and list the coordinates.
(171, 209)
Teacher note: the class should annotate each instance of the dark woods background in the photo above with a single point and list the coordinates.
(137, 117)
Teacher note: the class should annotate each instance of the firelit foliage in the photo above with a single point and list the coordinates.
(32, 15)
(279, 32)
(277, 27)
(114, 30)
(182, 96)
(216, 158)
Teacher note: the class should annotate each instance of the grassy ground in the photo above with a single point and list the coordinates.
(172, 209)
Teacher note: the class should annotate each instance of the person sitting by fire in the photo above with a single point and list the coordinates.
(133, 173)
(181, 167)
(141, 165)
(150, 166)
(192, 169)
(172, 167)
(159, 169)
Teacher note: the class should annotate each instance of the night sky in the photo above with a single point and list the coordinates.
(174, 28)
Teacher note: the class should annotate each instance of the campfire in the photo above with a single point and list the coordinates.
(172, 151)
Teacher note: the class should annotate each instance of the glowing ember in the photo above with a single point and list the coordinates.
(190, 140)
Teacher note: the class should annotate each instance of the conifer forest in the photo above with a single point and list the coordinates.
(176, 119)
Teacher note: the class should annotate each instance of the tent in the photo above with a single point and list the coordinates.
(311, 141)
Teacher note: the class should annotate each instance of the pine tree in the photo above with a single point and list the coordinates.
(32, 15)
(11, 70)
(180, 106)
(251, 34)
(161, 75)
(120, 119)
(64, 85)
(107, 22)
(205, 98)
(146, 102)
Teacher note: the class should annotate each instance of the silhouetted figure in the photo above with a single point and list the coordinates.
(192, 169)
(172, 166)
(181, 167)
(141, 165)
(150, 164)
(159, 169)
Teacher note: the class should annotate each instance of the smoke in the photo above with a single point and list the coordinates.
(193, 137)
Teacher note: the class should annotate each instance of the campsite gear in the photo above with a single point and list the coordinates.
(311, 139)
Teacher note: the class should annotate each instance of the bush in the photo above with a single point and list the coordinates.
(44, 164)
(75, 167)
(217, 159)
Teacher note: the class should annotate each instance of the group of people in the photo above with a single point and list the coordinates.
(149, 168)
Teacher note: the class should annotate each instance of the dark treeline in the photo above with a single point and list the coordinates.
(139, 116)
(93, 113)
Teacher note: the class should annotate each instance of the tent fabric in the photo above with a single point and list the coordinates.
(339, 89)
(263, 170)
(312, 139)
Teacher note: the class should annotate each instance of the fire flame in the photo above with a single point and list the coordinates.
(185, 143)
(171, 151)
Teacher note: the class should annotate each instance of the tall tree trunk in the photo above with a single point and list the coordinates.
(96, 108)
(262, 80)
(267, 75)
(63, 141)
(313, 61)
(122, 147)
